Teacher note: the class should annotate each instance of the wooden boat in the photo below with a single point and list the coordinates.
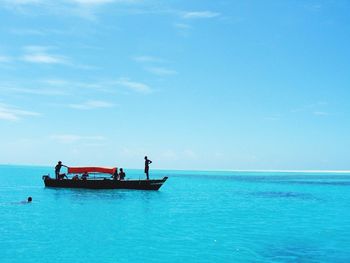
(101, 182)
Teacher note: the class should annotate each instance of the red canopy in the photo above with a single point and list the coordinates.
(80, 170)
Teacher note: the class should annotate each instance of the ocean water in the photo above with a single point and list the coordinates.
(194, 217)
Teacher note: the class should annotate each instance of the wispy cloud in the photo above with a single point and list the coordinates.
(27, 31)
(102, 85)
(313, 7)
(72, 138)
(80, 2)
(135, 86)
(190, 154)
(161, 71)
(11, 113)
(275, 117)
(182, 26)
(89, 9)
(76, 85)
(146, 58)
(32, 87)
(149, 61)
(64, 87)
(92, 104)
(5, 59)
(199, 14)
(24, 2)
(86, 9)
(320, 113)
(92, 2)
(42, 31)
(183, 29)
(176, 155)
(40, 54)
(37, 91)
(44, 58)
(318, 109)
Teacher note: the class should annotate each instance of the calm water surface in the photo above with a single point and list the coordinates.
(195, 217)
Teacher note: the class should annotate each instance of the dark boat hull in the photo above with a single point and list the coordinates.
(105, 183)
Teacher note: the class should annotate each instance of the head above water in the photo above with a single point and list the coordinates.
(121, 169)
(29, 199)
(59, 162)
(145, 157)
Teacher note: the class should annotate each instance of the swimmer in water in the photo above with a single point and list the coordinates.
(29, 200)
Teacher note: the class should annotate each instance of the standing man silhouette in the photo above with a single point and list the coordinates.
(147, 163)
(58, 169)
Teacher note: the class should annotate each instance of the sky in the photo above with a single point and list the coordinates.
(203, 85)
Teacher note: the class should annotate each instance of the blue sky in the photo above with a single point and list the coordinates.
(192, 84)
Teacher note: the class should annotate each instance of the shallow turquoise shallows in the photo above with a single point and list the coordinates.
(194, 217)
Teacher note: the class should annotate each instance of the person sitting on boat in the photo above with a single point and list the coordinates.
(115, 176)
(75, 177)
(121, 174)
(58, 169)
(84, 176)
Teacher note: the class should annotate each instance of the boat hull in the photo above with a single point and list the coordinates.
(105, 183)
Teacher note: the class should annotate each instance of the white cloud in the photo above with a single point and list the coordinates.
(72, 138)
(40, 54)
(44, 58)
(32, 87)
(318, 109)
(92, 104)
(274, 117)
(135, 86)
(5, 59)
(92, 2)
(27, 31)
(133, 152)
(173, 155)
(169, 155)
(183, 29)
(182, 26)
(161, 71)
(83, 91)
(11, 113)
(199, 14)
(320, 113)
(86, 9)
(147, 59)
(38, 91)
(190, 154)
(62, 83)
(60, 2)
(36, 48)
(23, 2)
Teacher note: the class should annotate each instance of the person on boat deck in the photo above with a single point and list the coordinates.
(121, 174)
(147, 163)
(58, 169)
(84, 176)
(75, 177)
(116, 175)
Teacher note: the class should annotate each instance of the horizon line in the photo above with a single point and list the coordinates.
(217, 170)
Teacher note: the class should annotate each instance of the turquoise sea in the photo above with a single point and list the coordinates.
(195, 217)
